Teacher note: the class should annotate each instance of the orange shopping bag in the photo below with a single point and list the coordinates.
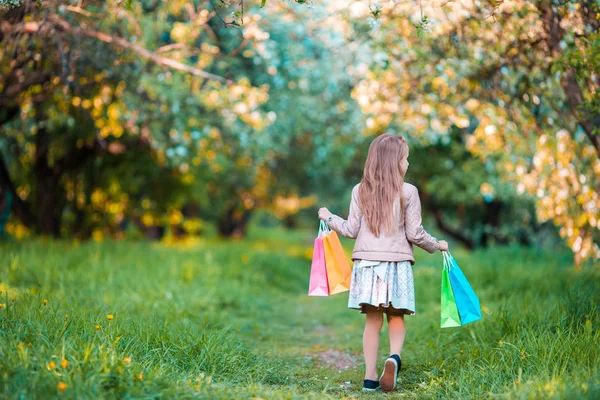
(339, 273)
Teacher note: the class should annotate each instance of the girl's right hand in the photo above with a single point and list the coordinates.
(324, 213)
(443, 245)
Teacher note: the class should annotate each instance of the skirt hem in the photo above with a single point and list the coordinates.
(389, 308)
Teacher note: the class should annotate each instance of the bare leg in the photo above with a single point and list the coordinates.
(397, 333)
(371, 342)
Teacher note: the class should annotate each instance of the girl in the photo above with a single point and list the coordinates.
(385, 220)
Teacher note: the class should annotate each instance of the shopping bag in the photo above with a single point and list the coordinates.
(339, 273)
(466, 300)
(449, 315)
(318, 285)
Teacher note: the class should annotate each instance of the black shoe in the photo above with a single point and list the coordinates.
(397, 358)
(390, 373)
(370, 386)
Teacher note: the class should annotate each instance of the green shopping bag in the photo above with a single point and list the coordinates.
(450, 317)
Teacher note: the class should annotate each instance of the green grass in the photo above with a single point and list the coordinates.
(214, 319)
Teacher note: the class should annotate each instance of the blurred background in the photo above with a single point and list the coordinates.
(172, 120)
(162, 163)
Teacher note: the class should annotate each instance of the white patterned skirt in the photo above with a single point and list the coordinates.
(382, 285)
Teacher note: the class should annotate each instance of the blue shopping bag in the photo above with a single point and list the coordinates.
(466, 299)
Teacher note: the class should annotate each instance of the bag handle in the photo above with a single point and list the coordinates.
(447, 259)
(323, 228)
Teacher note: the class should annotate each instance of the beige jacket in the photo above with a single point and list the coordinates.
(395, 247)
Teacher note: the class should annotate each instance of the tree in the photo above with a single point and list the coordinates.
(525, 75)
(137, 114)
(283, 152)
(75, 95)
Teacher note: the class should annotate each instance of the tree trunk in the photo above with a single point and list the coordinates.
(150, 232)
(234, 223)
(588, 120)
(523, 238)
(492, 219)
(178, 232)
(578, 253)
(291, 221)
(5, 208)
(19, 207)
(48, 204)
(48, 201)
(453, 233)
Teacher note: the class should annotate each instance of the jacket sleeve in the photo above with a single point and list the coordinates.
(413, 224)
(350, 227)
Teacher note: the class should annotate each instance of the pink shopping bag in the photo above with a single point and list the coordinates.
(318, 285)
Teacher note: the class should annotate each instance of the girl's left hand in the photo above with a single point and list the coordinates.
(324, 213)
(443, 245)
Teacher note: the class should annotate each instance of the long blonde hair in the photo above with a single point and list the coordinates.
(382, 182)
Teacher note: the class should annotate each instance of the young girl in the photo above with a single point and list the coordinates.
(385, 220)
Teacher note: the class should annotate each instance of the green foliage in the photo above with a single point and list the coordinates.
(209, 317)
(469, 196)
(520, 80)
(585, 61)
(278, 119)
(423, 26)
(223, 149)
(10, 3)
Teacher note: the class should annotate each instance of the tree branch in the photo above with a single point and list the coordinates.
(454, 234)
(8, 95)
(225, 23)
(77, 157)
(62, 25)
(589, 123)
(429, 204)
(238, 49)
(79, 10)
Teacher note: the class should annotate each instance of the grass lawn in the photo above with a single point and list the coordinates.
(210, 319)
